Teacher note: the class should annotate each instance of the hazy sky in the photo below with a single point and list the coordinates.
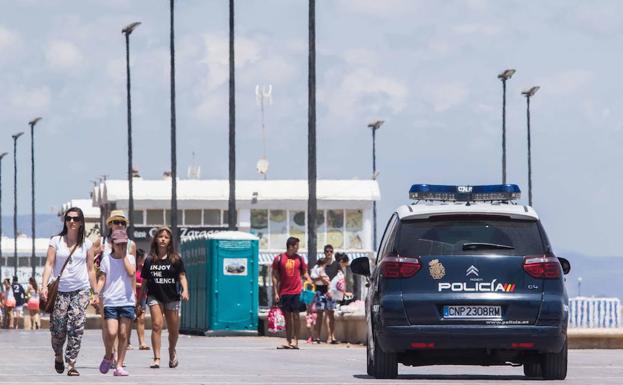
(428, 68)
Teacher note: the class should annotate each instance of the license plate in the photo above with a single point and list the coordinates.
(472, 312)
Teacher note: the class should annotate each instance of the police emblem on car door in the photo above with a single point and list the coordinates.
(436, 269)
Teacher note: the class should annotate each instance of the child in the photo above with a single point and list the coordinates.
(117, 277)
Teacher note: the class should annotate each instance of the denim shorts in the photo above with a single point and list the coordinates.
(116, 312)
(174, 305)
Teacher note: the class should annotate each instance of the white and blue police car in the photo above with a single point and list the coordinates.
(466, 276)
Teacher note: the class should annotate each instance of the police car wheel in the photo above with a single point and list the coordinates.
(384, 365)
(554, 365)
(532, 369)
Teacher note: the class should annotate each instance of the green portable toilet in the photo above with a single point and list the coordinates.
(223, 284)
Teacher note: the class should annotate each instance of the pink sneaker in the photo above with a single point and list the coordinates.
(105, 365)
(120, 372)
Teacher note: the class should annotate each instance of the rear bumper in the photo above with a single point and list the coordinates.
(398, 339)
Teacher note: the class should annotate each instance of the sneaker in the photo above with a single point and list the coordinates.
(105, 365)
(120, 372)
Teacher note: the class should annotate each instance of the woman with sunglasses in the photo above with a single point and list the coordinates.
(68, 318)
(163, 272)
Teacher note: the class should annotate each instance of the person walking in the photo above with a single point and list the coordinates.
(115, 221)
(9, 304)
(20, 299)
(33, 303)
(331, 268)
(70, 258)
(288, 270)
(116, 284)
(321, 302)
(163, 272)
(337, 288)
(141, 303)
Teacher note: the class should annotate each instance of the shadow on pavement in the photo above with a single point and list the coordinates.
(452, 377)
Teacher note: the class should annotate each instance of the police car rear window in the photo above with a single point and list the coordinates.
(469, 235)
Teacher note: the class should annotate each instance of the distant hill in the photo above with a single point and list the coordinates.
(601, 276)
(46, 225)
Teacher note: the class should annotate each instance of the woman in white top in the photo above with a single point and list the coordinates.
(117, 280)
(68, 317)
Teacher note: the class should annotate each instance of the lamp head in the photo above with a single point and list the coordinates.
(130, 27)
(35, 120)
(3, 155)
(506, 74)
(376, 125)
(530, 92)
(15, 136)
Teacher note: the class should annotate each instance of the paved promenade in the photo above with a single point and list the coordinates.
(27, 359)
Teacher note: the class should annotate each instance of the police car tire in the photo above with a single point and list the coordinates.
(384, 365)
(532, 370)
(554, 365)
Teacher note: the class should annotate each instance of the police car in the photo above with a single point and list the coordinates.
(466, 276)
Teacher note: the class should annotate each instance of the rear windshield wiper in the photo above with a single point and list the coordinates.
(482, 245)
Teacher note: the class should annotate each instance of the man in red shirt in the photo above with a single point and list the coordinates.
(288, 269)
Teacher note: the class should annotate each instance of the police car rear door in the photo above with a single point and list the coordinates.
(472, 269)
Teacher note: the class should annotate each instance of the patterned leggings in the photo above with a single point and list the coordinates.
(67, 322)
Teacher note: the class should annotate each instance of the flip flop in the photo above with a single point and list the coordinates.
(295, 347)
(284, 347)
(73, 372)
(155, 365)
(173, 362)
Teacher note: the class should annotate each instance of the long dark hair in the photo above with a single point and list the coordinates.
(81, 231)
(174, 257)
(33, 282)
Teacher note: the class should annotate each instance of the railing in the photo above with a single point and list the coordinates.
(594, 312)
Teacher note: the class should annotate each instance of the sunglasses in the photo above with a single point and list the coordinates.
(119, 223)
(72, 219)
(328, 251)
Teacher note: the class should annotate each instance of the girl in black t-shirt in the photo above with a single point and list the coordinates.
(163, 272)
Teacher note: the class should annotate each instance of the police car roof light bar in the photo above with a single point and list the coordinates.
(448, 193)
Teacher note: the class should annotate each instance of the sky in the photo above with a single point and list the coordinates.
(427, 68)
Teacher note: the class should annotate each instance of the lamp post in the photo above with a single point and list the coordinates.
(579, 286)
(312, 204)
(15, 137)
(528, 94)
(32, 124)
(504, 76)
(1, 156)
(127, 31)
(374, 126)
(174, 228)
(231, 213)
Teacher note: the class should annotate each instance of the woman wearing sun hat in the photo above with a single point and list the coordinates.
(115, 221)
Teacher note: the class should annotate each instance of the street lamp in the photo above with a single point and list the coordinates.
(374, 126)
(127, 31)
(504, 76)
(15, 137)
(312, 204)
(174, 228)
(579, 286)
(231, 213)
(1, 156)
(528, 94)
(32, 124)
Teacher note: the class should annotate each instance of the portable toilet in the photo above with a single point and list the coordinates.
(222, 271)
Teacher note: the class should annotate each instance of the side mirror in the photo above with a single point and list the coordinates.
(360, 266)
(566, 266)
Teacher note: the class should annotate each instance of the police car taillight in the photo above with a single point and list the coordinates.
(395, 266)
(542, 266)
